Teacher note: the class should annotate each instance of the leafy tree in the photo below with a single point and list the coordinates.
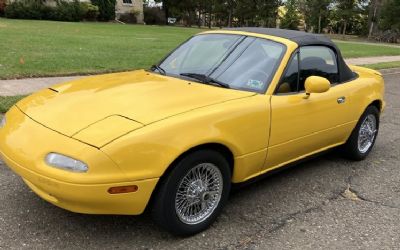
(226, 12)
(230, 6)
(340, 16)
(268, 12)
(390, 17)
(316, 14)
(351, 15)
(291, 20)
(106, 9)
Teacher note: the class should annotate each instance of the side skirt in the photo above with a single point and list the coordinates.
(236, 186)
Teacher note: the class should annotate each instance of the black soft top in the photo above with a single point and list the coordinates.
(305, 39)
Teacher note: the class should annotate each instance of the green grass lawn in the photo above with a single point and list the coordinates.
(350, 50)
(6, 102)
(46, 48)
(384, 65)
(43, 48)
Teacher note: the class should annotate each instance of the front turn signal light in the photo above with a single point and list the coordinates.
(123, 189)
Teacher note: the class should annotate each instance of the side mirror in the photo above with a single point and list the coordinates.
(316, 84)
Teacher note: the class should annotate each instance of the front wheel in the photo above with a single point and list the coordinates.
(191, 197)
(363, 137)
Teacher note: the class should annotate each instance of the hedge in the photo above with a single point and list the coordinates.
(63, 11)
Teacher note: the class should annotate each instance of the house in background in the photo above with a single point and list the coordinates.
(122, 8)
(125, 7)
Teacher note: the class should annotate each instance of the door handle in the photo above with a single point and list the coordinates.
(341, 99)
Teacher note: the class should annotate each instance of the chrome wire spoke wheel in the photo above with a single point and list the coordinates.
(367, 133)
(199, 193)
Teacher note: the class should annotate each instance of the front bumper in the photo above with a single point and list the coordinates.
(23, 146)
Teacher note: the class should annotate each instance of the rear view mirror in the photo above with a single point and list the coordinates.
(316, 84)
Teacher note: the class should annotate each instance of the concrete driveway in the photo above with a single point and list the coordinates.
(326, 203)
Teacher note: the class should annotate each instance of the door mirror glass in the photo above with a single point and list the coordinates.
(316, 84)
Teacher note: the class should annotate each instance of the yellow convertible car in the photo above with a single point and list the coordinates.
(224, 107)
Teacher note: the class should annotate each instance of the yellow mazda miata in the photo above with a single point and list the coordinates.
(224, 107)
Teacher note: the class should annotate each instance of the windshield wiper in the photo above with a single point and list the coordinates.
(156, 67)
(206, 79)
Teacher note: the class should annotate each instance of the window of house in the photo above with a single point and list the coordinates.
(127, 1)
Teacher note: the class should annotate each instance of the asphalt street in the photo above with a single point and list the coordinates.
(325, 203)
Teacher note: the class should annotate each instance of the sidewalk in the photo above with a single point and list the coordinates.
(372, 60)
(30, 85)
(391, 45)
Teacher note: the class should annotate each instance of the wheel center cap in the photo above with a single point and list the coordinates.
(198, 189)
(205, 196)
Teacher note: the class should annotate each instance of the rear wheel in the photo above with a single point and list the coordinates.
(191, 197)
(363, 137)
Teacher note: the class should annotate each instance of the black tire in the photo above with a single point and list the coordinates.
(163, 208)
(351, 149)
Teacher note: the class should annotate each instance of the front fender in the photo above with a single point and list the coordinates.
(242, 125)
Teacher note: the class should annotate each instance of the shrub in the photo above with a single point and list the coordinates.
(106, 9)
(25, 9)
(91, 11)
(63, 11)
(154, 15)
(129, 17)
(69, 11)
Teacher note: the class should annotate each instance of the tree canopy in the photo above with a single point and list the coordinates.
(360, 17)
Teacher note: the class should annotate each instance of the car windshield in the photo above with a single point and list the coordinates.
(233, 61)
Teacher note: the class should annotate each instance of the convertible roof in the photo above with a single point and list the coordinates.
(299, 37)
(305, 39)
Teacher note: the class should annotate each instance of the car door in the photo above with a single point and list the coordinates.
(302, 126)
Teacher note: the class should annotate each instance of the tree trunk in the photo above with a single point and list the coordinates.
(374, 16)
(210, 17)
(344, 28)
(371, 17)
(319, 24)
(189, 18)
(199, 19)
(166, 11)
(230, 18)
(371, 29)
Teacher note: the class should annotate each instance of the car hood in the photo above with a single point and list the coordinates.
(141, 97)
